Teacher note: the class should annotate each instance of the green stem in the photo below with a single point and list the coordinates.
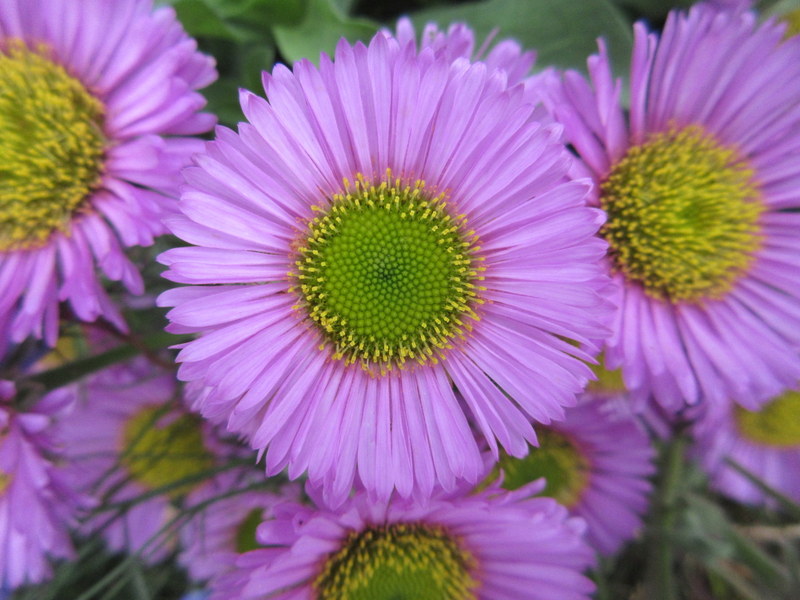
(69, 373)
(787, 504)
(662, 550)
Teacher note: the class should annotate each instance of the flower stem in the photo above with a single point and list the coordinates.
(661, 577)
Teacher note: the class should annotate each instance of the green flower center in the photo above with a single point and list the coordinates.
(388, 274)
(607, 382)
(51, 145)
(158, 454)
(777, 424)
(5, 478)
(557, 459)
(398, 562)
(793, 20)
(682, 215)
(246, 532)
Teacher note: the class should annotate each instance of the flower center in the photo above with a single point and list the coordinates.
(5, 478)
(159, 454)
(388, 274)
(792, 18)
(558, 460)
(777, 424)
(682, 215)
(51, 145)
(607, 382)
(398, 562)
(246, 532)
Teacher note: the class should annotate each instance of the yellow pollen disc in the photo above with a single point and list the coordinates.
(51, 145)
(776, 425)
(683, 215)
(159, 454)
(398, 562)
(388, 274)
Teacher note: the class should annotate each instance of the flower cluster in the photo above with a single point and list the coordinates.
(460, 303)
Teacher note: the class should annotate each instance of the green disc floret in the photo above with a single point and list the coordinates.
(792, 18)
(388, 274)
(51, 145)
(403, 561)
(776, 425)
(557, 459)
(246, 532)
(160, 450)
(683, 215)
(608, 381)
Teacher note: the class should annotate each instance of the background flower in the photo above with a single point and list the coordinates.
(37, 504)
(97, 100)
(130, 445)
(597, 463)
(489, 545)
(704, 268)
(765, 442)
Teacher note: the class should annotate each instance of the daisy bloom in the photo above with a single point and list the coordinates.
(493, 545)
(765, 442)
(37, 504)
(383, 228)
(701, 185)
(225, 525)
(127, 437)
(95, 100)
(597, 463)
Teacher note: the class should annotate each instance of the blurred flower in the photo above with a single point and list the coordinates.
(490, 545)
(701, 186)
(130, 445)
(95, 98)
(765, 442)
(597, 463)
(383, 228)
(218, 533)
(37, 505)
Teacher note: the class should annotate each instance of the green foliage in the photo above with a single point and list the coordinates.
(562, 33)
(322, 27)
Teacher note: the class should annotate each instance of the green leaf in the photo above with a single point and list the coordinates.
(563, 33)
(201, 18)
(320, 30)
(237, 20)
(653, 9)
(254, 60)
(344, 5)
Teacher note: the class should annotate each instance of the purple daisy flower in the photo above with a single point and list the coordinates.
(700, 184)
(96, 99)
(765, 442)
(492, 545)
(127, 437)
(387, 226)
(597, 463)
(218, 534)
(37, 505)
